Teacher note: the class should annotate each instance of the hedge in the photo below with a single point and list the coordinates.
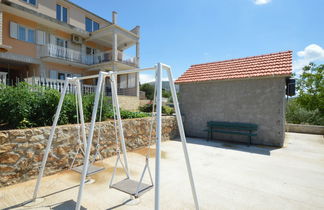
(25, 106)
(165, 109)
(296, 114)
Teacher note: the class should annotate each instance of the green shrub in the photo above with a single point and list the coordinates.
(165, 109)
(296, 114)
(28, 106)
(16, 104)
(128, 114)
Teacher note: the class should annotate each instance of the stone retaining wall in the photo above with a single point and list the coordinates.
(21, 151)
(298, 128)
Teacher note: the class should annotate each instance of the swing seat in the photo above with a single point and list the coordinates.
(91, 170)
(129, 186)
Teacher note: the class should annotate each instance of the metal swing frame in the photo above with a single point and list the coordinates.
(132, 187)
(92, 168)
(113, 74)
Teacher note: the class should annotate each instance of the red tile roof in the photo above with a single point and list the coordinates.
(275, 64)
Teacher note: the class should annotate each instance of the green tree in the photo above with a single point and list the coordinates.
(165, 93)
(149, 90)
(310, 87)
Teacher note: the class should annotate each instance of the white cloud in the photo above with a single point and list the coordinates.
(146, 78)
(311, 53)
(259, 2)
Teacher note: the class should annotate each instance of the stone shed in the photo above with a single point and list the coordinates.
(250, 90)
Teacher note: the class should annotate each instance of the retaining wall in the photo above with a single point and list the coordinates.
(21, 151)
(312, 129)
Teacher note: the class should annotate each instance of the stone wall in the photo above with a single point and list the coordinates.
(21, 151)
(130, 103)
(258, 100)
(299, 128)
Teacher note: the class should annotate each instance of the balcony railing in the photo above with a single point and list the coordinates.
(68, 54)
(59, 84)
(55, 51)
(3, 78)
(86, 89)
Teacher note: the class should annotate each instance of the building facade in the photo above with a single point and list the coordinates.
(45, 41)
(247, 90)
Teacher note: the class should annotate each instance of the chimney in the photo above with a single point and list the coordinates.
(136, 30)
(114, 17)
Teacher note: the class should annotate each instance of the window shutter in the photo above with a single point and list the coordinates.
(52, 39)
(40, 37)
(14, 30)
(83, 54)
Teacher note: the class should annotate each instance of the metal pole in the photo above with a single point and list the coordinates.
(78, 89)
(183, 137)
(50, 139)
(120, 124)
(89, 143)
(119, 72)
(158, 135)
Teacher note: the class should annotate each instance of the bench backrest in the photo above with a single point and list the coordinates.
(233, 125)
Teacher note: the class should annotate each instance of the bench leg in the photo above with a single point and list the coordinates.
(209, 135)
(250, 139)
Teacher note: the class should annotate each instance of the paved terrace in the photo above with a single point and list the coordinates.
(228, 176)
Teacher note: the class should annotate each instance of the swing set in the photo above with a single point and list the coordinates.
(133, 187)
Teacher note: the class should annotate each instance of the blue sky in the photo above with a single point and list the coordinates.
(185, 32)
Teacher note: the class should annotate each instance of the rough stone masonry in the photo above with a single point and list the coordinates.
(21, 151)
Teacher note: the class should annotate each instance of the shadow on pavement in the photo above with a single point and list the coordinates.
(257, 149)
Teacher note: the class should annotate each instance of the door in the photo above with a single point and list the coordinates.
(90, 53)
(62, 46)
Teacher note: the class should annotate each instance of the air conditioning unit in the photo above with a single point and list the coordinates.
(76, 39)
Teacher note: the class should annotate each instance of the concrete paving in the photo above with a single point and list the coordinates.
(228, 176)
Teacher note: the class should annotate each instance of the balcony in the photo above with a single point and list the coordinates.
(104, 57)
(64, 55)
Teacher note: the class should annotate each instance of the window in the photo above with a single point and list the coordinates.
(95, 26)
(31, 36)
(123, 81)
(91, 25)
(131, 80)
(62, 75)
(22, 33)
(61, 13)
(61, 42)
(127, 81)
(26, 34)
(33, 2)
(88, 23)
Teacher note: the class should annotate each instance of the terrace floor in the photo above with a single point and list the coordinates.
(228, 176)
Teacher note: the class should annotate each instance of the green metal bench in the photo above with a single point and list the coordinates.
(236, 128)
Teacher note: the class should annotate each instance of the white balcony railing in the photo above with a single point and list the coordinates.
(86, 89)
(58, 85)
(3, 78)
(68, 54)
(55, 51)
